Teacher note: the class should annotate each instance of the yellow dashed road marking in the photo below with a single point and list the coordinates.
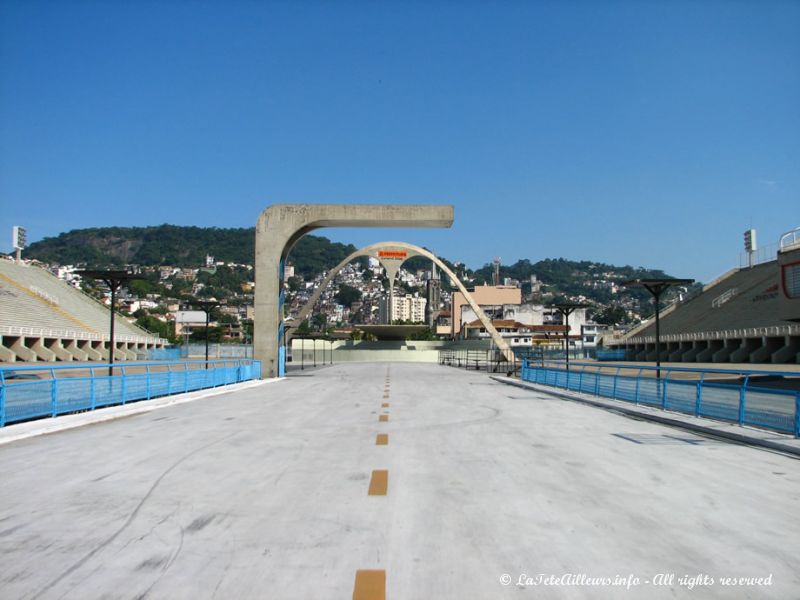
(383, 418)
(382, 439)
(379, 483)
(370, 585)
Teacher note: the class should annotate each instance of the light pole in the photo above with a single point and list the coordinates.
(566, 309)
(113, 280)
(656, 287)
(206, 306)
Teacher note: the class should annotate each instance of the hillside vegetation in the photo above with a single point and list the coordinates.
(187, 247)
(176, 246)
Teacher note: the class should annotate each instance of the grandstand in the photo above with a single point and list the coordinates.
(736, 319)
(44, 319)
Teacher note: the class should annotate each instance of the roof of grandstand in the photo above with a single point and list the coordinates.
(745, 298)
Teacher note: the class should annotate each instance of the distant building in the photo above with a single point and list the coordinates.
(517, 334)
(592, 333)
(490, 298)
(404, 308)
(505, 303)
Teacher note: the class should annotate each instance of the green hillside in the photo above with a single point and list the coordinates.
(176, 246)
(187, 247)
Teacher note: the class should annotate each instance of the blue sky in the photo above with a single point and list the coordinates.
(643, 133)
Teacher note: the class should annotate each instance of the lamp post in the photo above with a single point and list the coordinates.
(113, 280)
(206, 306)
(656, 287)
(566, 309)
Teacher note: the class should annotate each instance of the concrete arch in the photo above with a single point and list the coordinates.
(383, 252)
(279, 226)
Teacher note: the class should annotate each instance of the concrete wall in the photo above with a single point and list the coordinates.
(388, 351)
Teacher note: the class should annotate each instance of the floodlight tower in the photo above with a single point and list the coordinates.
(750, 246)
(18, 241)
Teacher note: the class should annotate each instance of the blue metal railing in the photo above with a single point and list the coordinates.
(30, 392)
(738, 396)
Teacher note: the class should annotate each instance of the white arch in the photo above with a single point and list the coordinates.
(373, 250)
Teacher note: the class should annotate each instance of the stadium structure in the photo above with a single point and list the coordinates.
(748, 315)
(43, 318)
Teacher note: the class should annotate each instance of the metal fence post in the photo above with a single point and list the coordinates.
(664, 383)
(92, 388)
(698, 405)
(638, 386)
(53, 393)
(185, 377)
(147, 368)
(614, 389)
(742, 399)
(797, 415)
(124, 383)
(2, 401)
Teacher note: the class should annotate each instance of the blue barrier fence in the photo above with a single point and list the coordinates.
(32, 392)
(163, 354)
(761, 398)
(608, 354)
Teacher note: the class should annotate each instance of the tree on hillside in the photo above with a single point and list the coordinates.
(347, 295)
(612, 315)
(319, 321)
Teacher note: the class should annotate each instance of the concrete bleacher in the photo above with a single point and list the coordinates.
(735, 319)
(45, 319)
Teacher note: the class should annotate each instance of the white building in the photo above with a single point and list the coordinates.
(533, 314)
(404, 308)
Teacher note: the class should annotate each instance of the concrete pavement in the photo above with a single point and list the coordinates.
(489, 492)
